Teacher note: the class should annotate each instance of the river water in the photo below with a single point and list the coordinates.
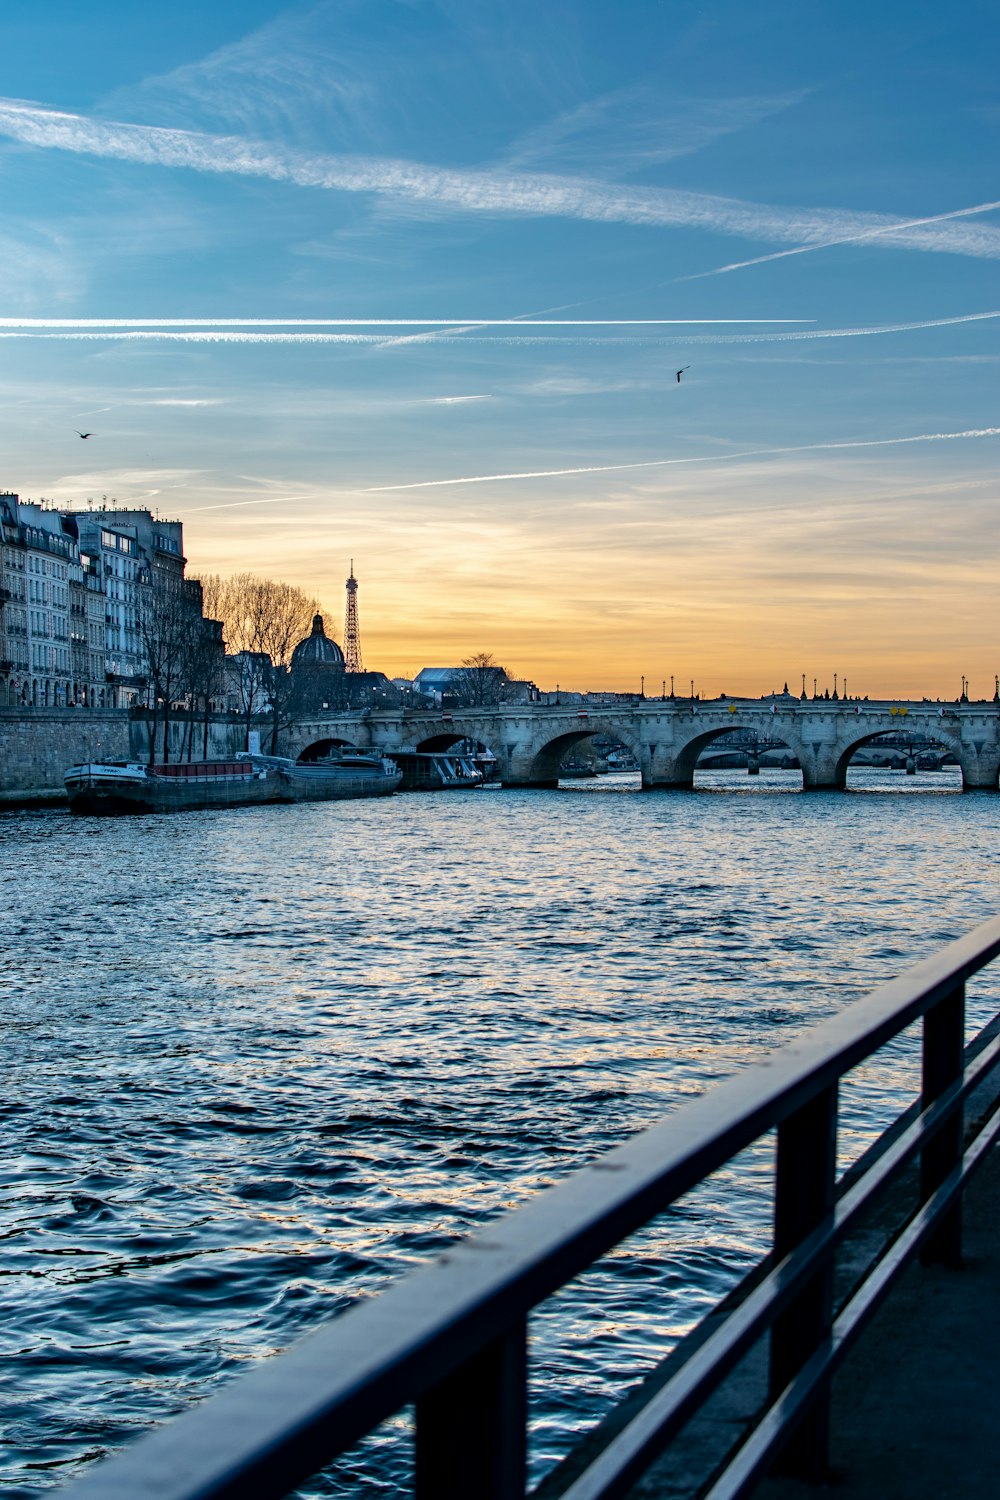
(261, 1062)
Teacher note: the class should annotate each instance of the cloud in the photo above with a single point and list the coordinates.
(38, 267)
(280, 75)
(135, 484)
(474, 191)
(634, 128)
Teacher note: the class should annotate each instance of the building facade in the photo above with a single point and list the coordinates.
(42, 620)
(76, 622)
(128, 553)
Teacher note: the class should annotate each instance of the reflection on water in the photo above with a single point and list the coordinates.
(266, 1060)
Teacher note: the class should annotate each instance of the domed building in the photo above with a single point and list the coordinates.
(317, 650)
(317, 667)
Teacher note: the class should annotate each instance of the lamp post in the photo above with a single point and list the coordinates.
(642, 686)
(671, 684)
(663, 690)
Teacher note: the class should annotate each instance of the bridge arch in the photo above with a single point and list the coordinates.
(317, 749)
(687, 756)
(941, 737)
(549, 756)
(446, 740)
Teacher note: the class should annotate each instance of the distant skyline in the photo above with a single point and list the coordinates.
(411, 282)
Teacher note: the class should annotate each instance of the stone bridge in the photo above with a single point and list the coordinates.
(667, 735)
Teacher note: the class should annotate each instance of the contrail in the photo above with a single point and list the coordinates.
(847, 239)
(453, 400)
(468, 190)
(247, 334)
(659, 463)
(831, 333)
(656, 463)
(207, 324)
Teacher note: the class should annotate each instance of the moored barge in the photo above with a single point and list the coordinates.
(110, 787)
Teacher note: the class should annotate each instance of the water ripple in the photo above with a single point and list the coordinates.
(265, 1063)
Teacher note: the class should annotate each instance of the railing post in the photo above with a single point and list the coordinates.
(804, 1184)
(943, 1062)
(472, 1427)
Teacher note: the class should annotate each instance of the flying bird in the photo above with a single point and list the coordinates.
(680, 372)
(90, 434)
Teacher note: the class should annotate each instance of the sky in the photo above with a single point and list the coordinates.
(409, 282)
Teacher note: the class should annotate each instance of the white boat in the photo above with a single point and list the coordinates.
(437, 771)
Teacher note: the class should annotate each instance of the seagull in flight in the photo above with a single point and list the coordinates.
(680, 372)
(90, 434)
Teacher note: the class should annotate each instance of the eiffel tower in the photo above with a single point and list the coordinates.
(352, 631)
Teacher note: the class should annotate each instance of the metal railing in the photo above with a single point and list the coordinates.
(452, 1338)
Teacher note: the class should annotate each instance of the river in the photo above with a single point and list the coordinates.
(261, 1062)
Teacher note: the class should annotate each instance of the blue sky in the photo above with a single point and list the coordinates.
(791, 199)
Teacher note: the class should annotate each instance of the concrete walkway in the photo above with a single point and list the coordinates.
(915, 1406)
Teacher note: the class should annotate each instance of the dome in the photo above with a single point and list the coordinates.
(317, 650)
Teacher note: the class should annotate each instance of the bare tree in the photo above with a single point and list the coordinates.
(263, 621)
(169, 620)
(481, 681)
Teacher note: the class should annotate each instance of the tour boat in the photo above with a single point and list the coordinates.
(437, 771)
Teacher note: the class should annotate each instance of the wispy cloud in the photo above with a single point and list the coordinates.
(38, 268)
(474, 191)
(635, 128)
(135, 484)
(283, 74)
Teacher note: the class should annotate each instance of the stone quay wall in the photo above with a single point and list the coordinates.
(226, 736)
(38, 745)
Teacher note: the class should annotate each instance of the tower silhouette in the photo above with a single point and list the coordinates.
(352, 631)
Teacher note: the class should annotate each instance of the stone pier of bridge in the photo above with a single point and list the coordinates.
(666, 736)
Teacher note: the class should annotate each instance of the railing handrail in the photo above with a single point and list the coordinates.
(298, 1411)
